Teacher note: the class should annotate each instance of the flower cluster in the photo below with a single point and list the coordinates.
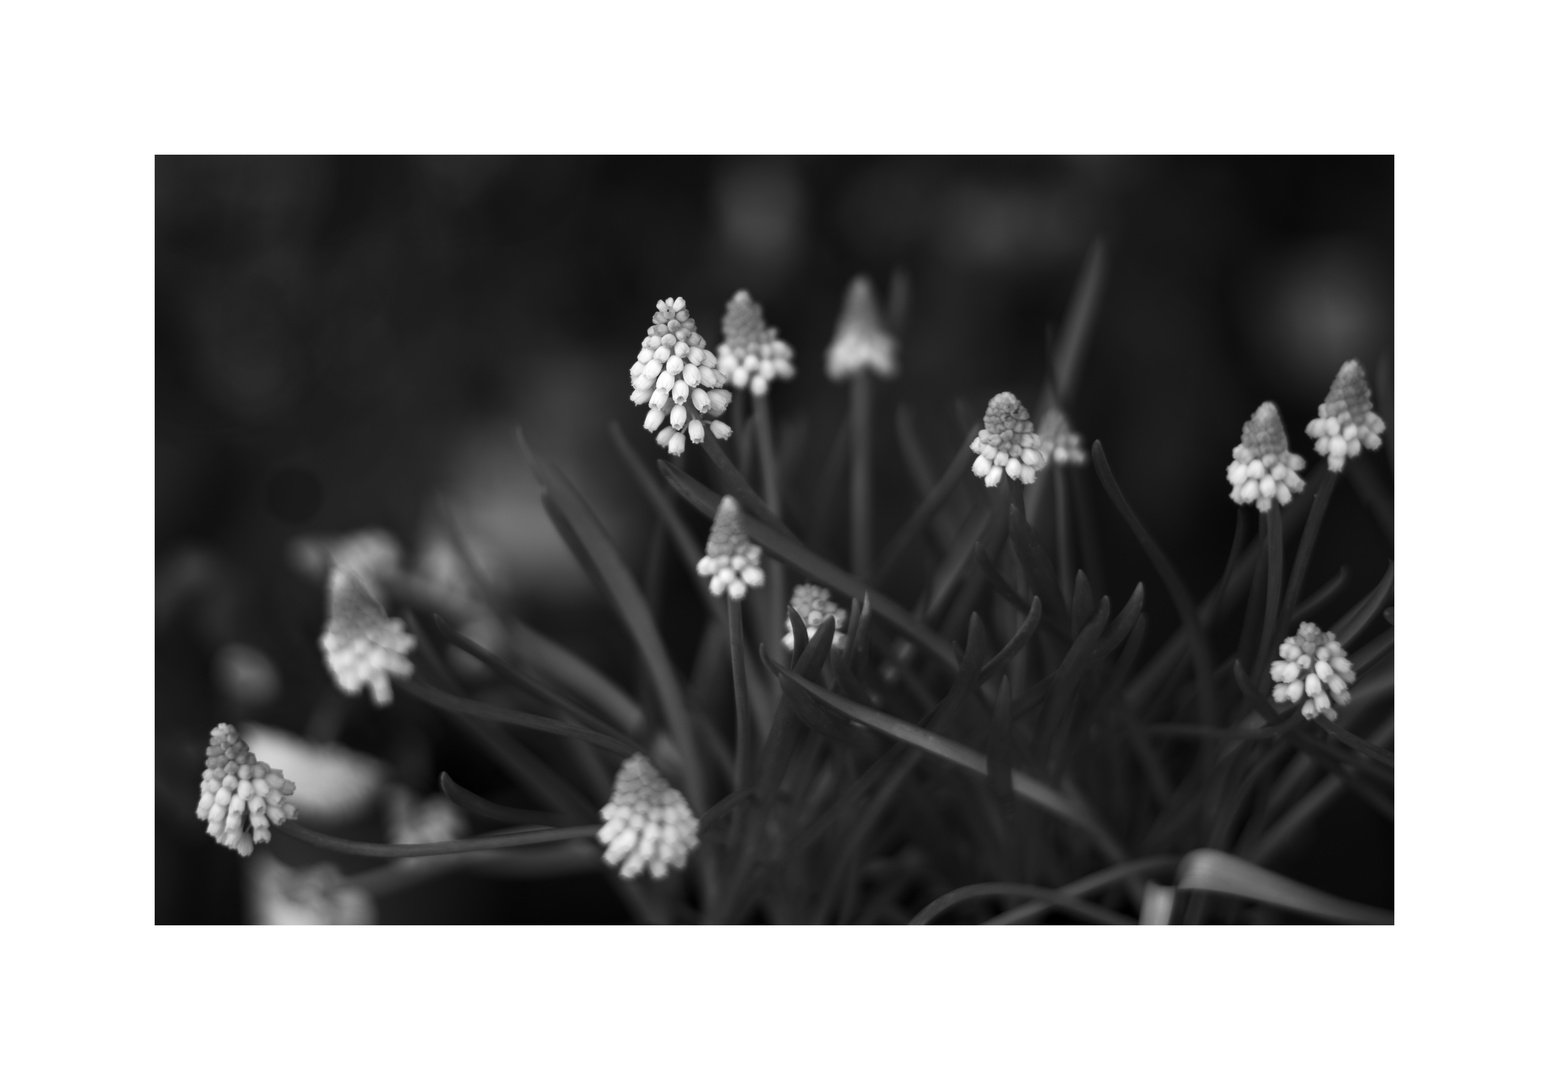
(1345, 420)
(731, 560)
(1065, 446)
(677, 377)
(361, 645)
(240, 796)
(1263, 469)
(814, 604)
(1007, 444)
(1313, 663)
(861, 340)
(752, 354)
(647, 823)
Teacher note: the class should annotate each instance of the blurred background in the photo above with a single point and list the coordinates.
(347, 343)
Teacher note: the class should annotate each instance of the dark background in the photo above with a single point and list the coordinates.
(342, 342)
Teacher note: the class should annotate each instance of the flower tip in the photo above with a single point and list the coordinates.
(1007, 445)
(861, 339)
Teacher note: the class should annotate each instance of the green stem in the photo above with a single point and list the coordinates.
(860, 475)
(769, 467)
(491, 842)
(1274, 554)
(747, 737)
(1293, 592)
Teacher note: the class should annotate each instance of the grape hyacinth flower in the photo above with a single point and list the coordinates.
(676, 375)
(731, 560)
(861, 340)
(240, 796)
(1345, 420)
(647, 823)
(1313, 663)
(1007, 444)
(1263, 469)
(1065, 446)
(814, 604)
(361, 645)
(752, 355)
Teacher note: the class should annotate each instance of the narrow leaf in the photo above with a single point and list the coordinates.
(1024, 786)
(579, 524)
(1207, 870)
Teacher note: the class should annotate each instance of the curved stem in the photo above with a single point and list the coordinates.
(1151, 865)
(490, 842)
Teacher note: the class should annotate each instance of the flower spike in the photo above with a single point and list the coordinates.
(676, 377)
(752, 354)
(731, 560)
(814, 604)
(647, 823)
(361, 645)
(240, 796)
(1007, 444)
(1263, 469)
(861, 340)
(1313, 662)
(1345, 420)
(1065, 446)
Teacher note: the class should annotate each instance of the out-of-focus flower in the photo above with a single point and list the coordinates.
(245, 675)
(318, 895)
(334, 784)
(413, 820)
(1263, 469)
(1345, 420)
(1313, 663)
(372, 554)
(362, 646)
(1007, 444)
(1063, 445)
(814, 604)
(861, 339)
(731, 560)
(648, 823)
(752, 354)
(240, 796)
(676, 376)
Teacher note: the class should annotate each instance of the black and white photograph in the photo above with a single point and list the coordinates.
(775, 540)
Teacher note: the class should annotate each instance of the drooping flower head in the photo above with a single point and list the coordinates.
(1007, 444)
(361, 645)
(1345, 420)
(1313, 663)
(647, 823)
(240, 796)
(752, 354)
(861, 339)
(1263, 469)
(814, 604)
(1063, 445)
(676, 375)
(731, 560)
